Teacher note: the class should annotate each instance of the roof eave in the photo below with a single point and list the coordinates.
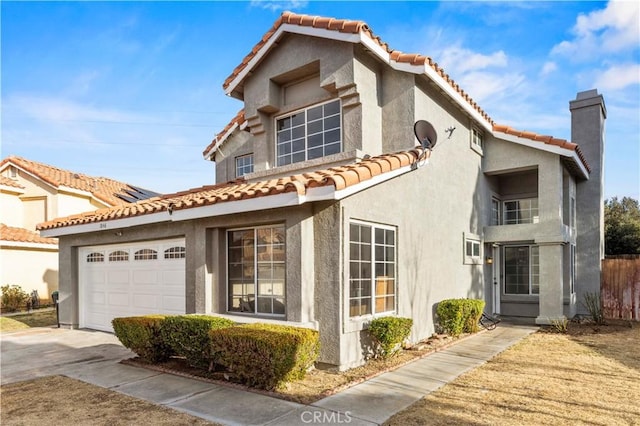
(555, 149)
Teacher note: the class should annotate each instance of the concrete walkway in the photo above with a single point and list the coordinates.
(94, 357)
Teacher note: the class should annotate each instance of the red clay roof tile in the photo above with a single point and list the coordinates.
(348, 26)
(104, 189)
(549, 140)
(10, 182)
(21, 235)
(340, 177)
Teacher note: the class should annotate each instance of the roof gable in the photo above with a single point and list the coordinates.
(108, 191)
(353, 32)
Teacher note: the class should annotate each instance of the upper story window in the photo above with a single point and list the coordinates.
(521, 211)
(495, 211)
(314, 132)
(477, 140)
(244, 165)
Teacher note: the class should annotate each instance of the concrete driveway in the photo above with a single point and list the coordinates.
(40, 352)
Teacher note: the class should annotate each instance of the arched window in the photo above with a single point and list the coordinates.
(145, 254)
(118, 256)
(175, 253)
(95, 257)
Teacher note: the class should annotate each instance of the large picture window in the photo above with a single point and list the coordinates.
(521, 270)
(256, 270)
(372, 269)
(311, 133)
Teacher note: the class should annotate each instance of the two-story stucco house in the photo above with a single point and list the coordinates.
(331, 214)
(32, 192)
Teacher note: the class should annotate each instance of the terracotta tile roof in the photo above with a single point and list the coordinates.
(9, 182)
(339, 177)
(106, 190)
(220, 137)
(549, 140)
(21, 235)
(354, 27)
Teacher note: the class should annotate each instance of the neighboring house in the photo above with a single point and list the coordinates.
(32, 192)
(331, 216)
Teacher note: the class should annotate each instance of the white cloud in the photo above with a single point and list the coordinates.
(613, 29)
(618, 77)
(275, 5)
(457, 60)
(548, 68)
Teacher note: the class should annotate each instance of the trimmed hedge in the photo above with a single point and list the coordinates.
(142, 335)
(389, 333)
(264, 355)
(188, 336)
(458, 316)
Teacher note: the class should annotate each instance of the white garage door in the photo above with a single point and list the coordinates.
(130, 279)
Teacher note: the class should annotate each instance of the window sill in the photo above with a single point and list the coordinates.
(310, 165)
(478, 150)
(354, 324)
(254, 319)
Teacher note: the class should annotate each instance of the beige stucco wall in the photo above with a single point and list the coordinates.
(31, 269)
(11, 213)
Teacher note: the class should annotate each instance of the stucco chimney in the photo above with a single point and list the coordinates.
(588, 115)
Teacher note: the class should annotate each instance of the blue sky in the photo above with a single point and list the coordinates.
(133, 90)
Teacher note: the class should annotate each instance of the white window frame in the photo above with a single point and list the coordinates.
(255, 312)
(496, 212)
(307, 134)
(572, 268)
(533, 273)
(374, 280)
(244, 165)
(534, 212)
(477, 140)
(472, 249)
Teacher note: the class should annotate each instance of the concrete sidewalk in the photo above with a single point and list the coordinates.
(94, 357)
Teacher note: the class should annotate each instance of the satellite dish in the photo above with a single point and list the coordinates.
(426, 134)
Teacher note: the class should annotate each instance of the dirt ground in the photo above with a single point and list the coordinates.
(319, 382)
(58, 400)
(591, 375)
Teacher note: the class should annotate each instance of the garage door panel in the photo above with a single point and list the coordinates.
(146, 301)
(145, 277)
(174, 304)
(118, 277)
(110, 289)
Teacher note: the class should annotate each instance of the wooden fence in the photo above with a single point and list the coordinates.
(620, 289)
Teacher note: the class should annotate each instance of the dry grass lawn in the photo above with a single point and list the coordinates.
(589, 376)
(58, 400)
(43, 318)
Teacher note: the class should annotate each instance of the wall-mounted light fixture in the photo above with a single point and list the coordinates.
(489, 260)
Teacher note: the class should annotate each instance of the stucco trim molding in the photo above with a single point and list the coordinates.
(28, 246)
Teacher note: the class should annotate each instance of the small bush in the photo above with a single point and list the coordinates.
(13, 298)
(460, 315)
(188, 336)
(389, 333)
(266, 356)
(560, 325)
(594, 306)
(142, 335)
